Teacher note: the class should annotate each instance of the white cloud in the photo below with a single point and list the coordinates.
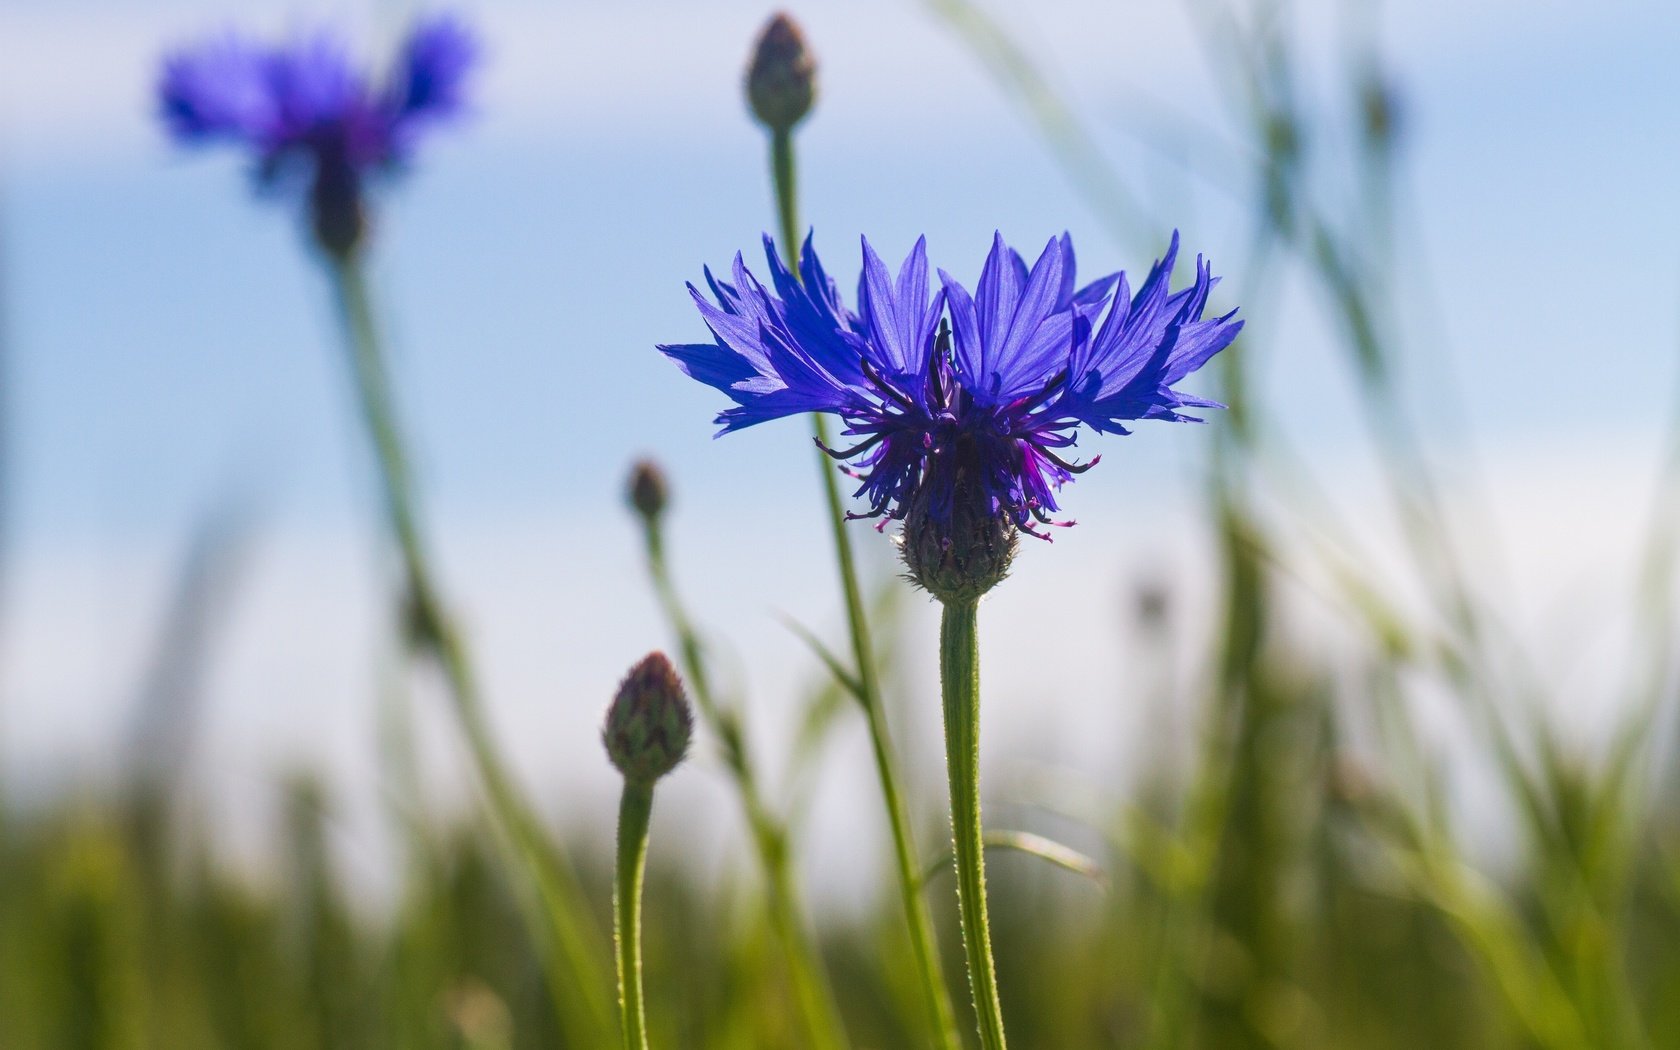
(77, 76)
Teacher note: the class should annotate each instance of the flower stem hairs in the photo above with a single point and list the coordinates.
(648, 729)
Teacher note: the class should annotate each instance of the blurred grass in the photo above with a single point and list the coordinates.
(1318, 914)
(1303, 879)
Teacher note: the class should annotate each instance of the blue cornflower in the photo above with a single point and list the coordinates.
(311, 118)
(965, 405)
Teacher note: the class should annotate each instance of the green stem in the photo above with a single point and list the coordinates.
(941, 1016)
(816, 1002)
(959, 680)
(578, 992)
(783, 176)
(805, 973)
(634, 809)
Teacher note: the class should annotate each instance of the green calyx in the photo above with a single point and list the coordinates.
(959, 559)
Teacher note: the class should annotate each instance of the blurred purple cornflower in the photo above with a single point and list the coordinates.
(968, 419)
(311, 118)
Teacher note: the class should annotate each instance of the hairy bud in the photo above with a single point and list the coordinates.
(958, 556)
(649, 723)
(782, 76)
(648, 492)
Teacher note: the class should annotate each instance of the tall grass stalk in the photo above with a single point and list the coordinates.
(574, 946)
(815, 999)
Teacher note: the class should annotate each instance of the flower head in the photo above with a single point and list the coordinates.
(309, 116)
(962, 407)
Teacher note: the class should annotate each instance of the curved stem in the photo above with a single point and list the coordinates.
(959, 680)
(578, 992)
(941, 1016)
(634, 809)
(816, 1002)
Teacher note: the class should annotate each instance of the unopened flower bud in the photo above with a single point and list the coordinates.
(649, 723)
(782, 77)
(1154, 605)
(1379, 107)
(648, 492)
(1349, 782)
(961, 555)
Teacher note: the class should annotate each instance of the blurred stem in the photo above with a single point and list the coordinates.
(1045, 849)
(1534, 993)
(634, 809)
(941, 1015)
(1655, 595)
(1083, 161)
(959, 682)
(805, 974)
(578, 987)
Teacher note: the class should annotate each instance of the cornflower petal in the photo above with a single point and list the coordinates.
(429, 77)
(1147, 343)
(979, 423)
(777, 351)
(217, 90)
(898, 319)
(310, 116)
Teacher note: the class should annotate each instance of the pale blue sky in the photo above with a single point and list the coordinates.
(167, 331)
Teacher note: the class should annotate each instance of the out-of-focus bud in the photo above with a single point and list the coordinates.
(649, 723)
(1283, 138)
(479, 1015)
(337, 216)
(647, 491)
(1154, 605)
(782, 76)
(1379, 110)
(1349, 783)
